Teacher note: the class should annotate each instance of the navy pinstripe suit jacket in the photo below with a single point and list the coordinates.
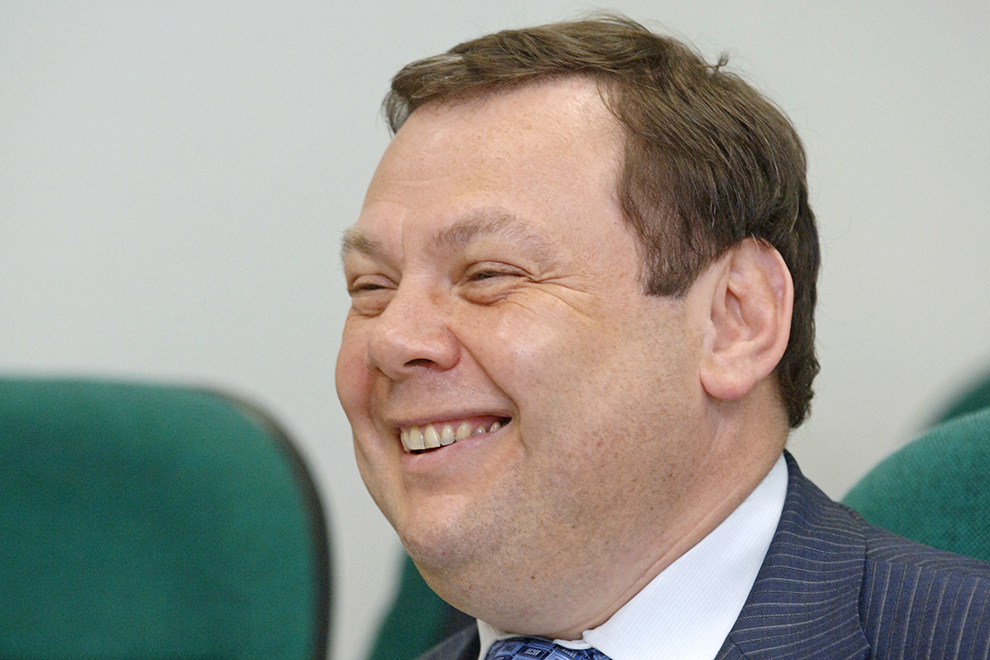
(834, 587)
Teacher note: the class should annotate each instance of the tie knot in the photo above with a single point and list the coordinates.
(537, 648)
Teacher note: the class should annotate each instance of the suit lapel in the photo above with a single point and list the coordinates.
(805, 602)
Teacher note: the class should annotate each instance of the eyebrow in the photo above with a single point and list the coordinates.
(481, 224)
(493, 222)
(355, 241)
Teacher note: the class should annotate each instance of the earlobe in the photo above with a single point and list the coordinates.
(750, 319)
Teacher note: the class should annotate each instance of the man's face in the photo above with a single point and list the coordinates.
(498, 312)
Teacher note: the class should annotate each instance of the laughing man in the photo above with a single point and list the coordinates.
(582, 326)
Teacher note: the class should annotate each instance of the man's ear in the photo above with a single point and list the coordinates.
(750, 319)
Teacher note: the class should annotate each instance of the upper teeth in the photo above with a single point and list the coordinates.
(415, 438)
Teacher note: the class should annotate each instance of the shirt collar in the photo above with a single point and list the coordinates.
(688, 610)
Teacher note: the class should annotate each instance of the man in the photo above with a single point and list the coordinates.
(583, 285)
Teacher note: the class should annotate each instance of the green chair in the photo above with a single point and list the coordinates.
(971, 399)
(152, 522)
(416, 620)
(935, 490)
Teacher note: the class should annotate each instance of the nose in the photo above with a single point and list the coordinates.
(412, 334)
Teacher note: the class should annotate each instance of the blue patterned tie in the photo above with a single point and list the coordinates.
(530, 648)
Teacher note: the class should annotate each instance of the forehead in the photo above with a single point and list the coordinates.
(511, 158)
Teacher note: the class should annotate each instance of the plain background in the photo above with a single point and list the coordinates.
(175, 178)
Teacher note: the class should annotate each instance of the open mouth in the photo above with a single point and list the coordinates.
(416, 439)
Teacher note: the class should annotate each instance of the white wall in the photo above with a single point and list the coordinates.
(174, 179)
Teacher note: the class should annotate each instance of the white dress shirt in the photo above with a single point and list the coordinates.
(686, 612)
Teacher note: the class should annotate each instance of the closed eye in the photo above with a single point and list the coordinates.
(487, 275)
(486, 283)
(369, 283)
(370, 286)
(370, 294)
(481, 272)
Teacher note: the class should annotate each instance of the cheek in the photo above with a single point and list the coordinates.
(541, 362)
(354, 390)
(351, 376)
(546, 350)
(523, 351)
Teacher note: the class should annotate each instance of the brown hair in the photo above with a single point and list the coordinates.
(708, 160)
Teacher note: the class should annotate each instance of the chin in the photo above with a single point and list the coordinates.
(433, 543)
(450, 547)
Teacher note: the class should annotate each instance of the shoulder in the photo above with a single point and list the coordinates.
(464, 645)
(913, 601)
(833, 586)
(839, 531)
(886, 552)
(936, 601)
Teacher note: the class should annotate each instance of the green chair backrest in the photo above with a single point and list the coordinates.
(153, 522)
(935, 490)
(975, 397)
